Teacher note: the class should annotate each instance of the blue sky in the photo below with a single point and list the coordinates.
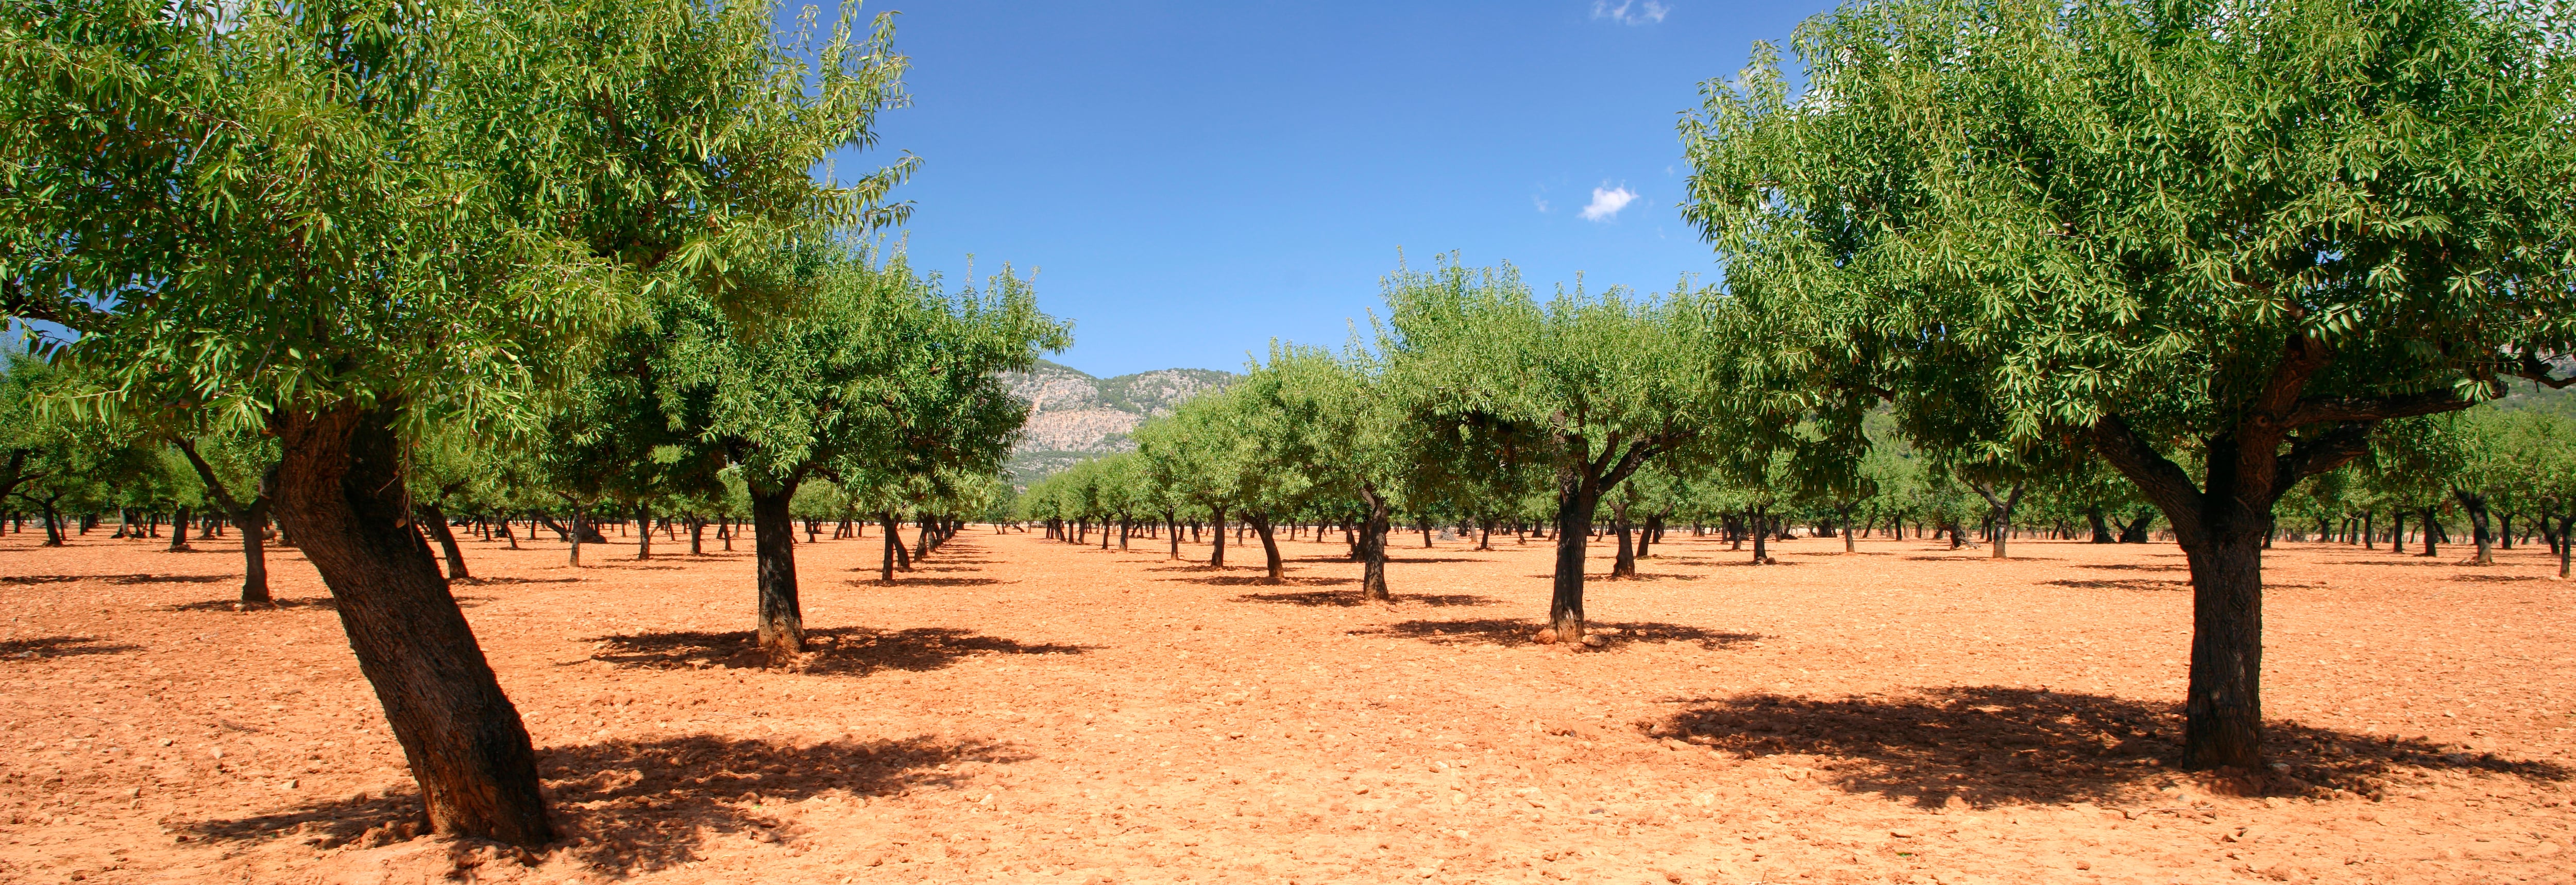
(1192, 180)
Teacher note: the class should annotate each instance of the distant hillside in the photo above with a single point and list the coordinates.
(2526, 395)
(1073, 415)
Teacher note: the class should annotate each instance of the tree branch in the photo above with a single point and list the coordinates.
(2536, 371)
(2318, 454)
(2349, 409)
(2159, 478)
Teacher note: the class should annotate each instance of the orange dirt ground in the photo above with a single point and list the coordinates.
(1027, 711)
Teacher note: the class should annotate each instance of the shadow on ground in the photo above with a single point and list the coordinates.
(482, 581)
(1352, 598)
(900, 580)
(2152, 585)
(1989, 745)
(60, 647)
(631, 807)
(1517, 631)
(323, 603)
(2134, 567)
(117, 579)
(1262, 580)
(851, 651)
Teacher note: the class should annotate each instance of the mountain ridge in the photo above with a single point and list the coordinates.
(1074, 414)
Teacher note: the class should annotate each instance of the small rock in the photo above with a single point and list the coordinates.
(1595, 641)
(1901, 834)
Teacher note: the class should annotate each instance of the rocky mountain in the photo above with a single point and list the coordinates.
(1073, 415)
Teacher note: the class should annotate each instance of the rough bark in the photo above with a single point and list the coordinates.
(1577, 498)
(340, 493)
(2476, 506)
(1372, 545)
(250, 516)
(1216, 534)
(643, 532)
(1625, 565)
(782, 618)
(178, 528)
(446, 541)
(1269, 545)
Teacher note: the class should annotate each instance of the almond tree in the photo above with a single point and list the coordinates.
(2232, 235)
(1592, 387)
(339, 222)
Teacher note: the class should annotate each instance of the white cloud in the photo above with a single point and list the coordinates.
(1630, 12)
(1541, 201)
(1606, 203)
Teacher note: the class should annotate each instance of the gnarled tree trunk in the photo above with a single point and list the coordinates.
(340, 493)
(1577, 498)
(1372, 545)
(1269, 545)
(782, 618)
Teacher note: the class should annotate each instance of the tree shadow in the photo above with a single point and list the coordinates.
(2134, 567)
(2151, 585)
(476, 582)
(901, 581)
(1517, 631)
(631, 807)
(1990, 745)
(323, 603)
(1351, 600)
(2412, 559)
(116, 579)
(1262, 581)
(61, 647)
(2495, 578)
(1391, 557)
(854, 651)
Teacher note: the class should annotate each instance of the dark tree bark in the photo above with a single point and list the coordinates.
(2101, 530)
(1761, 534)
(178, 528)
(773, 531)
(2432, 530)
(1625, 566)
(1577, 499)
(643, 532)
(340, 492)
(446, 541)
(2222, 521)
(1269, 545)
(2476, 506)
(893, 548)
(1999, 511)
(1374, 529)
(1216, 533)
(251, 517)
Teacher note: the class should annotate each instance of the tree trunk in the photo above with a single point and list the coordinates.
(178, 529)
(340, 493)
(2476, 505)
(643, 532)
(2566, 542)
(1625, 565)
(1372, 546)
(893, 545)
(773, 531)
(446, 541)
(254, 532)
(1216, 533)
(1172, 526)
(1269, 545)
(2432, 527)
(1761, 535)
(1576, 500)
(697, 536)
